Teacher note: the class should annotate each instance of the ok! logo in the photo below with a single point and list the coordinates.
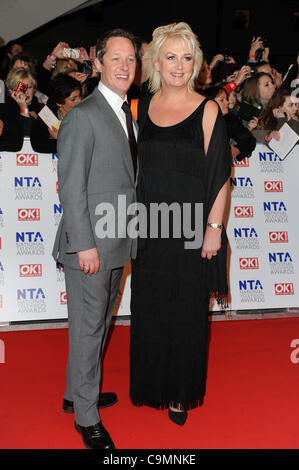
(243, 211)
(273, 186)
(27, 159)
(28, 214)
(249, 263)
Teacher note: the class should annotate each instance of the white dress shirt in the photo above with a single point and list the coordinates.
(116, 103)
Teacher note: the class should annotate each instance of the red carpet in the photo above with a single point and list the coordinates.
(251, 402)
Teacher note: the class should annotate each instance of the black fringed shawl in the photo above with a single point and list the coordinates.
(217, 171)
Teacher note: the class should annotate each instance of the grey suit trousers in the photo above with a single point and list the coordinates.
(91, 300)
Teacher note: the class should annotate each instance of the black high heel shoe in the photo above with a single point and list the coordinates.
(178, 417)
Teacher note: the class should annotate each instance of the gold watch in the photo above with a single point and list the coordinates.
(214, 225)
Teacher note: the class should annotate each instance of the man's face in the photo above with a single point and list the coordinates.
(118, 65)
(15, 50)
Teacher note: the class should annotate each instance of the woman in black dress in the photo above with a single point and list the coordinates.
(184, 159)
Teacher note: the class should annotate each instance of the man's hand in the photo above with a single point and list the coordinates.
(89, 261)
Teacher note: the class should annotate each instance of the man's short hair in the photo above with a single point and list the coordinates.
(113, 33)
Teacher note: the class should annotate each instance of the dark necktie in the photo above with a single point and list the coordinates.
(131, 135)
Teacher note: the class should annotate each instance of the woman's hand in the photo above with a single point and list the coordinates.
(217, 58)
(20, 98)
(1, 127)
(81, 77)
(234, 151)
(273, 135)
(53, 132)
(211, 243)
(58, 50)
(256, 44)
(279, 113)
(242, 74)
(252, 124)
(82, 54)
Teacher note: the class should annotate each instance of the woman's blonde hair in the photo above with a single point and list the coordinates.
(15, 76)
(174, 30)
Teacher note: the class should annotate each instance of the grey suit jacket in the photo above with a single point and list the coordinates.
(94, 167)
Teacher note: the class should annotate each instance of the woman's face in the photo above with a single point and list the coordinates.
(175, 63)
(290, 106)
(71, 100)
(222, 100)
(266, 88)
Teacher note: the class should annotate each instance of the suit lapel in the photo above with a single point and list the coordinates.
(105, 108)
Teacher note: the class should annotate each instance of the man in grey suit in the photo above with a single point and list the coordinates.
(96, 164)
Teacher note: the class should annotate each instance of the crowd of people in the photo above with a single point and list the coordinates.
(193, 117)
(255, 98)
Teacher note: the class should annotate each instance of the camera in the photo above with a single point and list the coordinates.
(71, 53)
(247, 111)
(259, 52)
(21, 88)
(86, 67)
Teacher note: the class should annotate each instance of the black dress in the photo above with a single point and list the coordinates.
(171, 285)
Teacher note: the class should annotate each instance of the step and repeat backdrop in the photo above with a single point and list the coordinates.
(262, 226)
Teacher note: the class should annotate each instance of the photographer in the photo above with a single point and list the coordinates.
(64, 59)
(259, 51)
(258, 59)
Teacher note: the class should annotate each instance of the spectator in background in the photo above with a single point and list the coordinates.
(19, 110)
(11, 49)
(28, 63)
(257, 92)
(64, 93)
(242, 142)
(281, 108)
(140, 74)
(23, 61)
(56, 63)
(64, 66)
(204, 78)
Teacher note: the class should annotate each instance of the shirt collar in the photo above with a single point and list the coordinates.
(113, 99)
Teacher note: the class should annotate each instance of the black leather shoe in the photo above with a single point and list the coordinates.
(95, 437)
(105, 400)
